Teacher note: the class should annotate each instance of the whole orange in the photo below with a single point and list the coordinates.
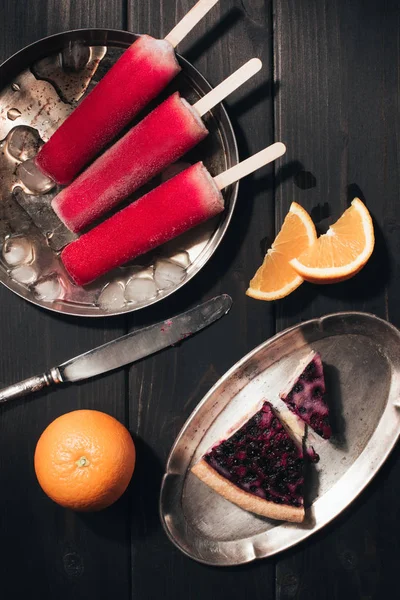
(84, 460)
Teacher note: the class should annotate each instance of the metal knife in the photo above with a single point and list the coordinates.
(126, 349)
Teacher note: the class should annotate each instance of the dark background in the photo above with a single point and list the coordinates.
(329, 90)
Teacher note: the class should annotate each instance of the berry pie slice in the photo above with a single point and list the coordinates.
(259, 468)
(304, 395)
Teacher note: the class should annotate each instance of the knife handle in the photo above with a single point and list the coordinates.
(28, 386)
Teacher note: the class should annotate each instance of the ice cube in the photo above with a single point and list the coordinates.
(24, 274)
(39, 209)
(79, 64)
(168, 274)
(112, 296)
(182, 258)
(140, 289)
(17, 250)
(75, 57)
(33, 179)
(48, 289)
(13, 114)
(23, 143)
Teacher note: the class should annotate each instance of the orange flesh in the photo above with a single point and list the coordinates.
(275, 273)
(340, 246)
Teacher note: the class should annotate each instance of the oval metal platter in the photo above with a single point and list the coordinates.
(361, 356)
(39, 87)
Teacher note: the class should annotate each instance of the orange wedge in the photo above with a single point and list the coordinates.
(276, 278)
(342, 251)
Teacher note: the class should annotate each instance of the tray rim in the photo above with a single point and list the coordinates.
(219, 233)
(307, 532)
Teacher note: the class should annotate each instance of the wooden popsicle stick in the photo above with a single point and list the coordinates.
(228, 86)
(250, 165)
(189, 21)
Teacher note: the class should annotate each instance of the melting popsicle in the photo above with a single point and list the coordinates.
(141, 73)
(172, 208)
(166, 134)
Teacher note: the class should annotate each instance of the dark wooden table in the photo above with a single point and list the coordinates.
(330, 90)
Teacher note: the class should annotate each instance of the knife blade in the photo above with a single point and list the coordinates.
(126, 349)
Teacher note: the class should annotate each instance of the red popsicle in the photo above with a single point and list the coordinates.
(144, 69)
(165, 135)
(172, 208)
(162, 137)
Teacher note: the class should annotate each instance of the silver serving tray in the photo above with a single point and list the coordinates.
(40, 85)
(361, 355)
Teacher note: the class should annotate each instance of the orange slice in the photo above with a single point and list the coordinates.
(276, 278)
(342, 251)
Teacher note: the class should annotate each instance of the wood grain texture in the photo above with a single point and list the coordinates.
(337, 68)
(25, 21)
(166, 388)
(47, 551)
(329, 90)
(330, 63)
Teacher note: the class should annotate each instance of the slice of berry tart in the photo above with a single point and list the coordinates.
(259, 468)
(304, 395)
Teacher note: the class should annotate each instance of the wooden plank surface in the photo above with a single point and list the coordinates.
(337, 68)
(329, 90)
(330, 64)
(47, 551)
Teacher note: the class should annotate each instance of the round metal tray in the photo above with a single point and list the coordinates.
(42, 85)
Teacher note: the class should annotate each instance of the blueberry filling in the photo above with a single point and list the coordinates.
(262, 459)
(306, 398)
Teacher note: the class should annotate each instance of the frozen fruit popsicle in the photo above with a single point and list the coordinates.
(172, 208)
(146, 67)
(166, 134)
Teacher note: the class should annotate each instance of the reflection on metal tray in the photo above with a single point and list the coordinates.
(361, 356)
(43, 84)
